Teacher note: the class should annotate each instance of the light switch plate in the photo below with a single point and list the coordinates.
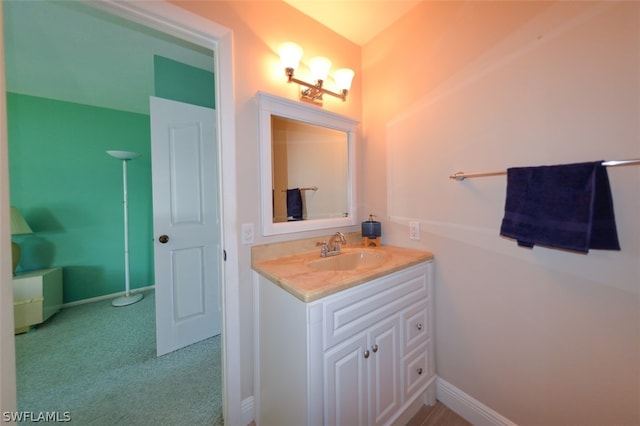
(246, 231)
(414, 231)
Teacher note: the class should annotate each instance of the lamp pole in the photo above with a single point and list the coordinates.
(128, 298)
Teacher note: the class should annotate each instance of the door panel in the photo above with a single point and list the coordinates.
(186, 213)
(346, 383)
(385, 375)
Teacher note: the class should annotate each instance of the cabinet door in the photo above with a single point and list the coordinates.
(345, 383)
(362, 377)
(384, 370)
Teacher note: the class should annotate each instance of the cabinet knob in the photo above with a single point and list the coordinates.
(419, 370)
(366, 353)
(374, 348)
(419, 327)
(164, 239)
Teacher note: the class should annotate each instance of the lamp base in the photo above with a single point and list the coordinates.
(15, 256)
(127, 300)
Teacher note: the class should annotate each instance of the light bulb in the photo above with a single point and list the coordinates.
(343, 78)
(290, 55)
(319, 68)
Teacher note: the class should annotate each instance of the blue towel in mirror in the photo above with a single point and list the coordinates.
(294, 204)
(563, 206)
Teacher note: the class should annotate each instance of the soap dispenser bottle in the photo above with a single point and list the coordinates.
(371, 232)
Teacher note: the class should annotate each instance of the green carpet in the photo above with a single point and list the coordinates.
(99, 364)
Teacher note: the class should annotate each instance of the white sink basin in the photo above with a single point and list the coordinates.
(349, 261)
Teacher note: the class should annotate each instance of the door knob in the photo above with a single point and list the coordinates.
(164, 239)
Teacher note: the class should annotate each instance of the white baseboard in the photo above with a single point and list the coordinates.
(471, 409)
(247, 411)
(106, 297)
(467, 407)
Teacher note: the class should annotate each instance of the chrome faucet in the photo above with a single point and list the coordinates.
(333, 247)
(333, 243)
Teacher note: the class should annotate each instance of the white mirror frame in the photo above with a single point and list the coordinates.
(273, 105)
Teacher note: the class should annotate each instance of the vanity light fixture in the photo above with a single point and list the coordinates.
(290, 55)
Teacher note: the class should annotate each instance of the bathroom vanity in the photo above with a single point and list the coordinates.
(343, 342)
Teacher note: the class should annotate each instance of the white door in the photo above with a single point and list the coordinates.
(186, 225)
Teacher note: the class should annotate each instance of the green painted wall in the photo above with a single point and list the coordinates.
(70, 192)
(196, 87)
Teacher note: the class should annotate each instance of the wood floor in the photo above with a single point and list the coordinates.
(437, 415)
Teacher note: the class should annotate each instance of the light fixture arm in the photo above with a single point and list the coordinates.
(313, 92)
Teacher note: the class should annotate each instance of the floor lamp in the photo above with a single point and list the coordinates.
(128, 298)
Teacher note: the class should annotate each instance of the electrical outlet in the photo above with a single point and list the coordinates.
(414, 231)
(246, 232)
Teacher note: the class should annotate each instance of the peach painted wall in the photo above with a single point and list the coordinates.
(8, 401)
(542, 337)
(259, 27)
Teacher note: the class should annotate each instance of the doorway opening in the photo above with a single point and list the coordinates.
(177, 22)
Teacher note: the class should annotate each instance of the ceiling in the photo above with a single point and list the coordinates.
(356, 20)
(72, 52)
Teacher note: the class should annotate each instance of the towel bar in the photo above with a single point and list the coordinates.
(463, 175)
(311, 188)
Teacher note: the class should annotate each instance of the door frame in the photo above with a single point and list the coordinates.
(173, 20)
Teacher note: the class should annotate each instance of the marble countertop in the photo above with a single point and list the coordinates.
(292, 272)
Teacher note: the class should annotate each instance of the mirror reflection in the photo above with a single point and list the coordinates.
(307, 167)
(310, 166)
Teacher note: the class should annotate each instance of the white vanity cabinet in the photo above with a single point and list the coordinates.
(362, 356)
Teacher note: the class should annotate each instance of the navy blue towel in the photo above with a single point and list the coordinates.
(565, 206)
(294, 204)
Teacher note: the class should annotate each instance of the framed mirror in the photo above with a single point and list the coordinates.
(307, 167)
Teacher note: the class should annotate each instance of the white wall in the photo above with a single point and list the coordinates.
(540, 336)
